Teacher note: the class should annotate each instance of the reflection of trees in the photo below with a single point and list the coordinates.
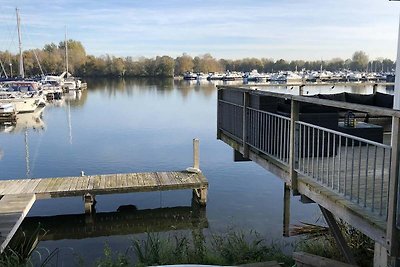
(112, 87)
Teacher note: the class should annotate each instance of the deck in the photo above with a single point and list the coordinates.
(350, 177)
(19, 195)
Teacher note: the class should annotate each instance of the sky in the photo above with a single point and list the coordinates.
(234, 29)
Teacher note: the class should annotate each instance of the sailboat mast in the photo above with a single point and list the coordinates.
(66, 51)
(21, 62)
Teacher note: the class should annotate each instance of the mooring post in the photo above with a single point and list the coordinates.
(196, 157)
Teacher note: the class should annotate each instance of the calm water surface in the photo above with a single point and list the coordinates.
(138, 126)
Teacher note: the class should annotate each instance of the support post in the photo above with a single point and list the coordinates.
(337, 234)
(301, 89)
(392, 232)
(374, 88)
(90, 203)
(294, 116)
(200, 195)
(246, 97)
(392, 229)
(286, 210)
(380, 256)
(219, 97)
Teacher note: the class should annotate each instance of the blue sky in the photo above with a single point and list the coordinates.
(288, 29)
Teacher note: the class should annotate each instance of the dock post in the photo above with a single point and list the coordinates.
(196, 157)
(200, 195)
(294, 116)
(246, 97)
(90, 202)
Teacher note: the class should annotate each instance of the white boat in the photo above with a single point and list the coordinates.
(22, 103)
(255, 76)
(232, 76)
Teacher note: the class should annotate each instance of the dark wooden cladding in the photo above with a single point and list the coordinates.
(323, 102)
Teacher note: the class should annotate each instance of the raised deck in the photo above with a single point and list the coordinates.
(298, 139)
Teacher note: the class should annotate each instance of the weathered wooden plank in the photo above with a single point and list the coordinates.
(13, 209)
(96, 183)
(30, 187)
(102, 181)
(105, 184)
(41, 187)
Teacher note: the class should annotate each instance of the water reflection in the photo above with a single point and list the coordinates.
(121, 222)
(23, 122)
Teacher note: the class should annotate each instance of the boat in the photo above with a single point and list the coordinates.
(215, 76)
(232, 76)
(189, 76)
(255, 76)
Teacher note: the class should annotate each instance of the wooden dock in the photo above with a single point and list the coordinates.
(13, 209)
(19, 195)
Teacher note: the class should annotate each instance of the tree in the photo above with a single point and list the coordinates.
(183, 63)
(359, 61)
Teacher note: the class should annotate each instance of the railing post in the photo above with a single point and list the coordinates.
(219, 96)
(246, 101)
(392, 232)
(294, 116)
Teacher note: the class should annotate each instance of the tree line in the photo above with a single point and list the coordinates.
(53, 61)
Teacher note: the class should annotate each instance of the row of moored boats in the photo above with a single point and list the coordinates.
(291, 76)
(24, 95)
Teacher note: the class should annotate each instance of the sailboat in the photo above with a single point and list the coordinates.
(70, 82)
(21, 94)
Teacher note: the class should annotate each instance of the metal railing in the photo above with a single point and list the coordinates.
(269, 133)
(356, 168)
(230, 118)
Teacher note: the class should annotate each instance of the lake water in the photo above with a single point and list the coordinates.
(138, 126)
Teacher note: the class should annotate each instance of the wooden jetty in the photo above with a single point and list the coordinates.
(349, 177)
(19, 195)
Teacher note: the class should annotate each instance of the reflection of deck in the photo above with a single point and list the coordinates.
(79, 226)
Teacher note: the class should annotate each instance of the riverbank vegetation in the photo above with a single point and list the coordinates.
(235, 247)
(52, 60)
